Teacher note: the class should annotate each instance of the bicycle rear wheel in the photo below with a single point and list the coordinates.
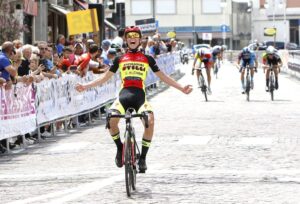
(248, 88)
(272, 87)
(203, 86)
(127, 164)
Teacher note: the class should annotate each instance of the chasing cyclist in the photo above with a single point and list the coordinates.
(217, 53)
(247, 57)
(204, 55)
(133, 66)
(271, 57)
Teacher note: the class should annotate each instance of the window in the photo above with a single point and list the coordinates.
(165, 6)
(211, 6)
(141, 7)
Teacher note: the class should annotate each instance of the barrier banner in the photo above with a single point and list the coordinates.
(17, 111)
(57, 98)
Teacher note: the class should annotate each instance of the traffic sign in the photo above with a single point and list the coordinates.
(223, 28)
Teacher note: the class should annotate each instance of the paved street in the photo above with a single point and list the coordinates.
(223, 151)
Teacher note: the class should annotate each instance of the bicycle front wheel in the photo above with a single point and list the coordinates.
(127, 164)
(248, 88)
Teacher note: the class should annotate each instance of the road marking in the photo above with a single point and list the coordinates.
(69, 147)
(195, 140)
(73, 193)
(255, 141)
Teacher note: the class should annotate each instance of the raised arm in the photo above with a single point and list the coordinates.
(185, 89)
(102, 79)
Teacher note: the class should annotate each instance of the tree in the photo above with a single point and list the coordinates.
(10, 27)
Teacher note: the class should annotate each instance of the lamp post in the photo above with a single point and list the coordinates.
(282, 5)
(266, 5)
(119, 4)
(223, 5)
(193, 24)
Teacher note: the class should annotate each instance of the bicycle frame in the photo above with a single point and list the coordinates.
(271, 81)
(131, 150)
(202, 83)
(248, 86)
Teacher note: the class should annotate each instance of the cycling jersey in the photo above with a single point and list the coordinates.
(133, 67)
(206, 58)
(215, 51)
(274, 61)
(247, 58)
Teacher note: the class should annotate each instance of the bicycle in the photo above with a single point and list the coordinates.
(271, 84)
(131, 151)
(202, 82)
(247, 82)
(217, 66)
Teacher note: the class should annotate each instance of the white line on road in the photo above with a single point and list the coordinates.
(195, 140)
(73, 193)
(254, 141)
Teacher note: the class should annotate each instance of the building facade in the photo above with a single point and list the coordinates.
(284, 15)
(192, 20)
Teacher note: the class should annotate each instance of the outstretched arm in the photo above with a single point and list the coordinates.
(102, 79)
(185, 89)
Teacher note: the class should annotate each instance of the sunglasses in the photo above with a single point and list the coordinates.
(133, 35)
(43, 48)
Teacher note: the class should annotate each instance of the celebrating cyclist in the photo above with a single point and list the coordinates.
(204, 55)
(247, 57)
(271, 57)
(133, 66)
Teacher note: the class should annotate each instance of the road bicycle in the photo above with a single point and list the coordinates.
(202, 82)
(131, 151)
(217, 66)
(271, 84)
(247, 82)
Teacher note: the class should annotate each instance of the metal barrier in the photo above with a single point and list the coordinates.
(168, 63)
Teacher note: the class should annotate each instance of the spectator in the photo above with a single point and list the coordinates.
(105, 46)
(66, 61)
(24, 67)
(6, 68)
(78, 50)
(17, 44)
(119, 40)
(60, 43)
(144, 45)
(48, 64)
(83, 61)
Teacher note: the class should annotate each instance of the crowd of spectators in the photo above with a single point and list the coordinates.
(31, 64)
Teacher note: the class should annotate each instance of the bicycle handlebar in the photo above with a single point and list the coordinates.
(127, 116)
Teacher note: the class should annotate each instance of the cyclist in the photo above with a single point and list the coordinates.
(247, 57)
(133, 66)
(204, 55)
(217, 53)
(271, 57)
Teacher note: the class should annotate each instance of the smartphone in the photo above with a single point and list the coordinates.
(73, 67)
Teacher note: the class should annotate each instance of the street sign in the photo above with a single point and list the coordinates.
(223, 28)
(206, 36)
(269, 31)
(146, 25)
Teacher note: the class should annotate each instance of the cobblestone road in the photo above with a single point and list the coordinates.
(226, 150)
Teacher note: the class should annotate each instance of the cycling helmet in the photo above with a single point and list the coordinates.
(223, 47)
(246, 50)
(201, 51)
(133, 29)
(270, 50)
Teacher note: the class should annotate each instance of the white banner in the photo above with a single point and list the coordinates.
(58, 98)
(17, 111)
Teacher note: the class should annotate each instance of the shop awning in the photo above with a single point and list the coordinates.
(58, 9)
(109, 24)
